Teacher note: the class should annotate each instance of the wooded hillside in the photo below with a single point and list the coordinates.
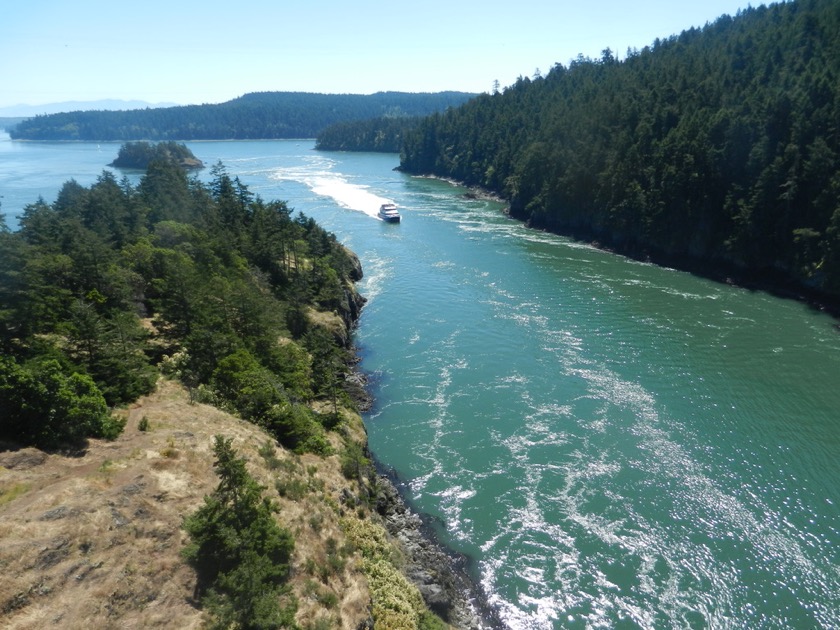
(717, 147)
(259, 115)
(138, 308)
(112, 284)
(383, 135)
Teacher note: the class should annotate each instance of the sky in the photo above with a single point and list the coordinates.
(193, 52)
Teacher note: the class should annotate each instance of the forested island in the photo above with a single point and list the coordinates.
(716, 149)
(258, 115)
(138, 155)
(137, 323)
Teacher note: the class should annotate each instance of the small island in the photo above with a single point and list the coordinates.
(139, 154)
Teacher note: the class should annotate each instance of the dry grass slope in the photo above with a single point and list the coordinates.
(93, 541)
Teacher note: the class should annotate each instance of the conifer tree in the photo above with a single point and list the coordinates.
(239, 551)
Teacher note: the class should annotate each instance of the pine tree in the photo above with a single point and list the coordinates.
(239, 551)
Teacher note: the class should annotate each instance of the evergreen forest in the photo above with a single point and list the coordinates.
(717, 149)
(112, 286)
(254, 116)
(381, 135)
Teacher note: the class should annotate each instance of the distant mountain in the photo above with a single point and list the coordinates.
(259, 115)
(26, 111)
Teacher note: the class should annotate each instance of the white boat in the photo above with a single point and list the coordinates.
(388, 212)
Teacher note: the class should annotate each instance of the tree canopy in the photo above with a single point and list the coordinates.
(718, 146)
(383, 135)
(113, 284)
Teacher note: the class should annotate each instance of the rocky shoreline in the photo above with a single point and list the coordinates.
(439, 574)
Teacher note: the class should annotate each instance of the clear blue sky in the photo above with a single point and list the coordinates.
(190, 51)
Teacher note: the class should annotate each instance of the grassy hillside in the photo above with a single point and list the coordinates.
(93, 538)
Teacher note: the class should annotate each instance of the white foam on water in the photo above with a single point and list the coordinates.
(319, 176)
(349, 195)
(664, 575)
(694, 580)
(376, 275)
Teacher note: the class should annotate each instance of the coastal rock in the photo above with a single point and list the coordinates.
(446, 590)
(356, 273)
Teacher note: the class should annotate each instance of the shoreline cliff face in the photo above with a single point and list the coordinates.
(440, 574)
(93, 536)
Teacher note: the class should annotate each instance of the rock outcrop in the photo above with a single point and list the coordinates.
(438, 575)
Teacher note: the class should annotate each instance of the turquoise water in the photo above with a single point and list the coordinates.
(613, 444)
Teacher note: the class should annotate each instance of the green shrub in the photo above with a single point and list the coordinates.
(250, 389)
(267, 452)
(397, 604)
(430, 621)
(336, 560)
(293, 366)
(295, 427)
(43, 406)
(328, 599)
(330, 420)
(111, 427)
(293, 488)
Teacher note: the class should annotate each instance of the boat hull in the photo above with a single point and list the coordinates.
(388, 212)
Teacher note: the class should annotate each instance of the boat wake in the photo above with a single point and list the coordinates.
(318, 175)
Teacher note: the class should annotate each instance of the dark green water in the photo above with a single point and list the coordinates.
(614, 445)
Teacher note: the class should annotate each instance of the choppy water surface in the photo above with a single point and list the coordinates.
(615, 445)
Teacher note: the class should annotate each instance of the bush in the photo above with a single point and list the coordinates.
(292, 488)
(42, 406)
(250, 389)
(430, 621)
(257, 395)
(396, 602)
(267, 452)
(295, 427)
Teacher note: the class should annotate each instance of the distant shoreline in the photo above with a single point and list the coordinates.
(760, 280)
